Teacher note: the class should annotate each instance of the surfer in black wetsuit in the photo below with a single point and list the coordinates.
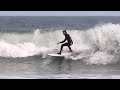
(69, 41)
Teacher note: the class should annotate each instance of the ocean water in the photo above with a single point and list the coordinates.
(26, 41)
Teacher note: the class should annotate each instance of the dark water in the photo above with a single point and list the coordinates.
(32, 68)
(24, 47)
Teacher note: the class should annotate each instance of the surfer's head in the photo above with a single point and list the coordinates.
(64, 32)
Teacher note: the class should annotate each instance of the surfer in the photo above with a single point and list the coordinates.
(69, 41)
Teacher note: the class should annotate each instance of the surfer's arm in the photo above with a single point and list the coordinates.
(63, 41)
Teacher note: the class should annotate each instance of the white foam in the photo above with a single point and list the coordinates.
(101, 58)
(19, 50)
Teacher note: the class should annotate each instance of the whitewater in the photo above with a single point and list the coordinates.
(100, 44)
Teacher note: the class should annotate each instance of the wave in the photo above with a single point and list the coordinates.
(99, 44)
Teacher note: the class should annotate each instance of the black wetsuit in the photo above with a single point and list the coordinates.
(69, 42)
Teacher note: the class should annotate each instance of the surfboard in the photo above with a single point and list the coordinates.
(60, 55)
(56, 55)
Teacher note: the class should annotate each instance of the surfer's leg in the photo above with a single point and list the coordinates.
(68, 44)
(62, 47)
(70, 48)
(65, 44)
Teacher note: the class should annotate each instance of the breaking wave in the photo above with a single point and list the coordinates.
(99, 45)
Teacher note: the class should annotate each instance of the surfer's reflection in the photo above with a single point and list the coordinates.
(61, 64)
(64, 64)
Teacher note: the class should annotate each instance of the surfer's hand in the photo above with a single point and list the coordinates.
(57, 43)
